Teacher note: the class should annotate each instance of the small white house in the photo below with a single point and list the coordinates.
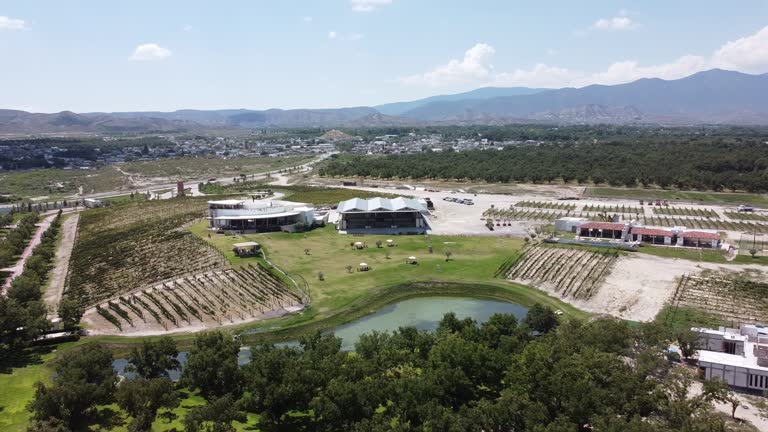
(569, 224)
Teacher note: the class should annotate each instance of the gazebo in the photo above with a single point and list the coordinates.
(359, 245)
(246, 249)
(390, 243)
(411, 260)
(363, 267)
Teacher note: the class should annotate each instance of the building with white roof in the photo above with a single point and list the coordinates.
(259, 215)
(737, 356)
(382, 216)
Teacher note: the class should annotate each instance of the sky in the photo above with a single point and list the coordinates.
(138, 55)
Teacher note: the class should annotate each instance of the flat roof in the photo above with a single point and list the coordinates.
(748, 361)
(246, 244)
(226, 202)
(263, 216)
(615, 226)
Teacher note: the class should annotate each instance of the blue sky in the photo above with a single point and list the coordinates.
(166, 55)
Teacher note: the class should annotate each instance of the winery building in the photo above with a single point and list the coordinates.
(382, 216)
(259, 215)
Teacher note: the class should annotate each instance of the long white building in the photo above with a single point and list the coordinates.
(737, 356)
(259, 215)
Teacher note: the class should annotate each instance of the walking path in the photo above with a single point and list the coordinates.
(55, 288)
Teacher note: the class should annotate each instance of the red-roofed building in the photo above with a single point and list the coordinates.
(701, 239)
(652, 235)
(608, 230)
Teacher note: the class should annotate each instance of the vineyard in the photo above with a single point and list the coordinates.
(502, 216)
(713, 224)
(685, 211)
(208, 299)
(734, 300)
(125, 247)
(747, 216)
(569, 272)
(612, 209)
(546, 205)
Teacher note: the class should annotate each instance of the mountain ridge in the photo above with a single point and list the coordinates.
(715, 96)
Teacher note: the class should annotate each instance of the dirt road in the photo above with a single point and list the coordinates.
(36, 238)
(55, 288)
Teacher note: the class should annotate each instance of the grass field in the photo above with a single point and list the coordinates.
(686, 196)
(473, 259)
(59, 182)
(211, 166)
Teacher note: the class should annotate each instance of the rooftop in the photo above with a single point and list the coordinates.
(700, 235)
(380, 205)
(652, 231)
(603, 225)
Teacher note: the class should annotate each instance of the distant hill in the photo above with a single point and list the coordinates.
(714, 96)
(711, 97)
(14, 122)
(398, 108)
(336, 136)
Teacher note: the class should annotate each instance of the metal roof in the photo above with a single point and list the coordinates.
(256, 216)
(380, 204)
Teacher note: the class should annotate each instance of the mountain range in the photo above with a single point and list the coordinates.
(710, 97)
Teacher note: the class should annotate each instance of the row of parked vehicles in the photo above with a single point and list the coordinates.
(465, 201)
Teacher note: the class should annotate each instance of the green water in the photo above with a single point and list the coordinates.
(424, 313)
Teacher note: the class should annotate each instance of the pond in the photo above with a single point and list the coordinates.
(424, 313)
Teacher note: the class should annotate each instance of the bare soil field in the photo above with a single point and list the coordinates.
(58, 276)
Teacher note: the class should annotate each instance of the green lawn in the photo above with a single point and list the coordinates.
(473, 259)
(680, 318)
(673, 195)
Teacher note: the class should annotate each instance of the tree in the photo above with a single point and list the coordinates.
(448, 255)
(154, 359)
(688, 341)
(70, 312)
(349, 268)
(216, 416)
(378, 243)
(541, 319)
(84, 378)
(142, 398)
(212, 365)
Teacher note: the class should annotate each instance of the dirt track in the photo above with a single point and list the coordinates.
(59, 273)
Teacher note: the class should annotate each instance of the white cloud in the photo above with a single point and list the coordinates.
(307, 19)
(149, 52)
(615, 23)
(474, 67)
(747, 54)
(188, 28)
(332, 35)
(7, 23)
(368, 5)
(355, 36)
